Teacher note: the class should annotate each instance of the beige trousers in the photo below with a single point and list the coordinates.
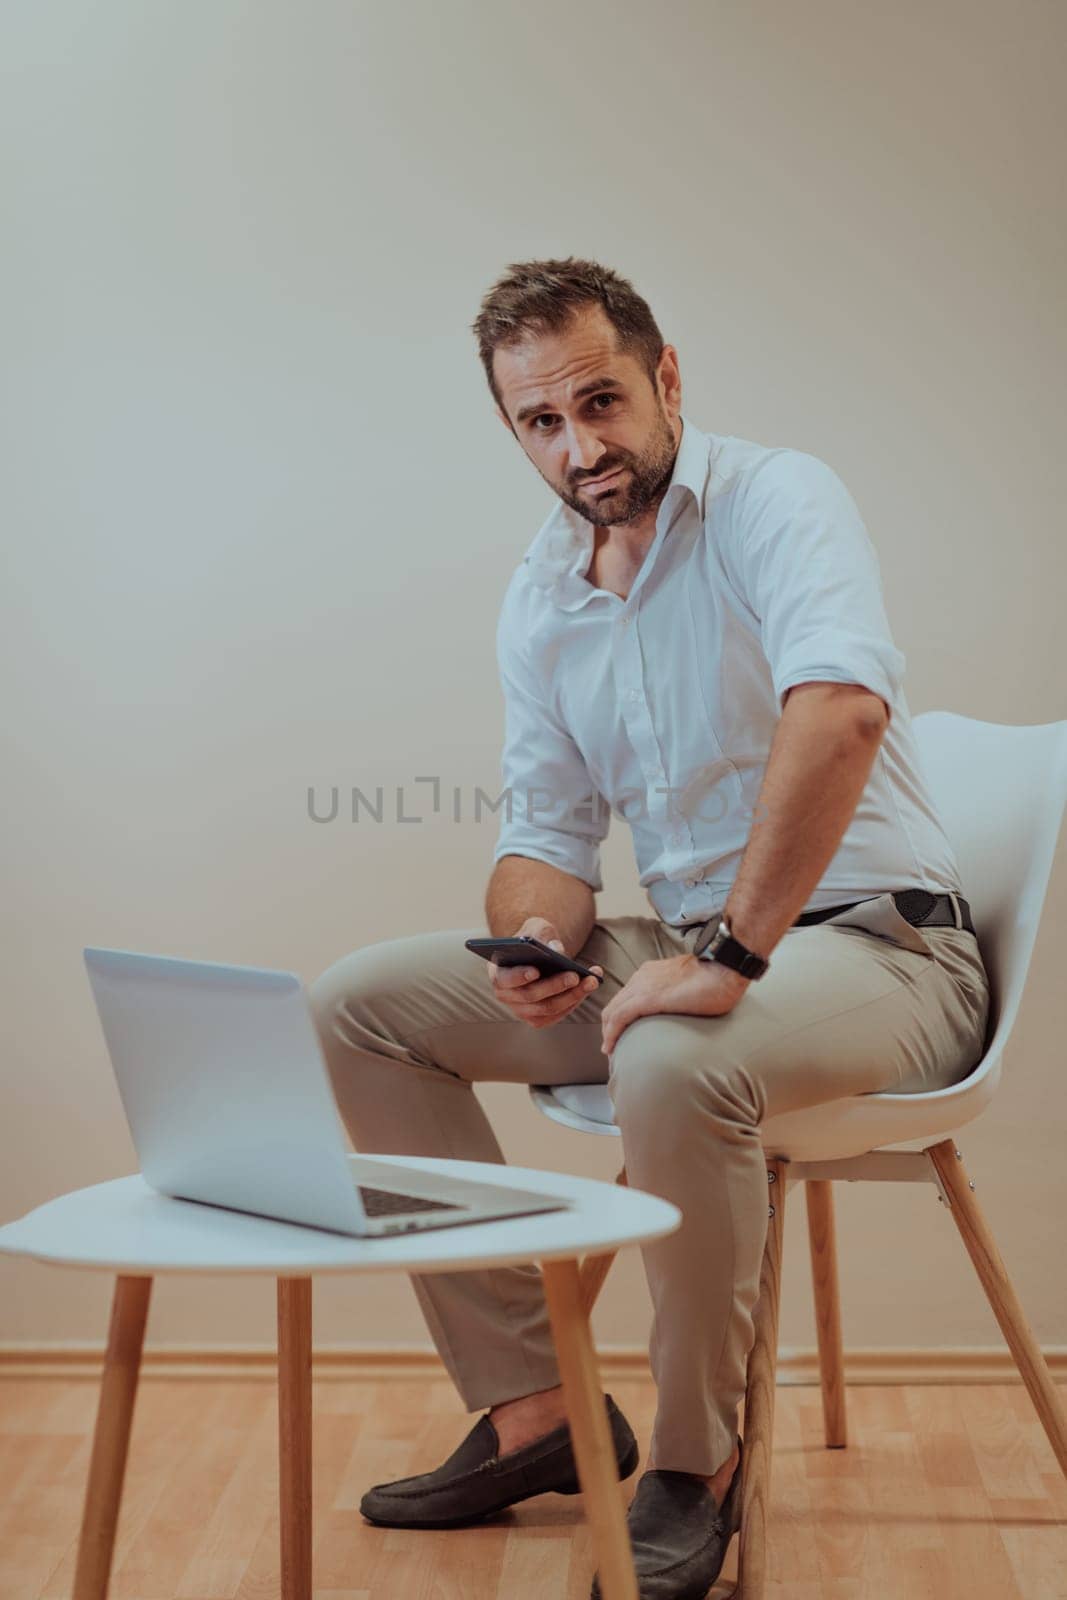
(859, 1003)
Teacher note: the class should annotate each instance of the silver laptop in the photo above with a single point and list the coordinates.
(229, 1102)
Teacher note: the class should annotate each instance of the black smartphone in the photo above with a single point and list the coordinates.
(522, 950)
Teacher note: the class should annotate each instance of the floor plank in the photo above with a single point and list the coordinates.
(943, 1493)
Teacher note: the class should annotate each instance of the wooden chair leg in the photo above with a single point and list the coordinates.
(294, 1435)
(111, 1437)
(988, 1263)
(594, 1269)
(822, 1240)
(759, 1401)
(594, 1448)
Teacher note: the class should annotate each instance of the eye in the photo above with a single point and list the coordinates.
(610, 398)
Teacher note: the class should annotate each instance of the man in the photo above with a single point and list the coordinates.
(695, 639)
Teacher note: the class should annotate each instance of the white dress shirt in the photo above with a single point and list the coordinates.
(661, 708)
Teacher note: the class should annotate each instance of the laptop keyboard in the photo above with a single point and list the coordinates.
(384, 1202)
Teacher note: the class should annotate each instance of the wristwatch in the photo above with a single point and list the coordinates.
(715, 942)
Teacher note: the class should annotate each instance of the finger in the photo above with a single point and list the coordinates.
(522, 1003)
(616, 1024)
(632, 1007)
(515, 977)
(552, 1002)
(529, 999)
(555, 983)
(551, 1009)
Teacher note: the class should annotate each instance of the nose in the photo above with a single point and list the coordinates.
(587, 454)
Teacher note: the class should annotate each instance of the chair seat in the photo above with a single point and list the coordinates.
(835, 1130)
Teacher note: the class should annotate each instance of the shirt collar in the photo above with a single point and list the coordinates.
(563, 546)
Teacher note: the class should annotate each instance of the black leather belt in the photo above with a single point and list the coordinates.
(918, 906)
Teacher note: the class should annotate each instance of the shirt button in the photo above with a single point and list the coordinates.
(632, 694)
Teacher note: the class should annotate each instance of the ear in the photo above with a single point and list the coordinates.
(670, 377)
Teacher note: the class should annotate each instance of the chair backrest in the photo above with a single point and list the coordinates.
(1000, 790)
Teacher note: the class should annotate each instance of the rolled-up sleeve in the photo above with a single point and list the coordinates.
(810, 573)
(552, 811)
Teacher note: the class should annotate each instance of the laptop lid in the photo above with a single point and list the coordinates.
(224, 1086)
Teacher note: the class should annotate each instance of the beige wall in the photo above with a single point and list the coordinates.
(258, 513)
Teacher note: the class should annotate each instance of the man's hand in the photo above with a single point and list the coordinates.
(533, 999)
(680, 983)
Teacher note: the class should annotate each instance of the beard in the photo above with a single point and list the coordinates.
(641, 486)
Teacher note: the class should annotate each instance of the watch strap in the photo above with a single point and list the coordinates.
(715, 942)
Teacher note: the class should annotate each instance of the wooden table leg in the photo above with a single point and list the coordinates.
(111, 1437)
(294, 1435)
(594, 1450)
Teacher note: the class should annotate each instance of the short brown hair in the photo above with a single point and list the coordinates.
(543, 296)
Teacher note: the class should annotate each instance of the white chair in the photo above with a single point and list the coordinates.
(1001, 792)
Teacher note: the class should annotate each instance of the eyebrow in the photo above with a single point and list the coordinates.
(594, 386)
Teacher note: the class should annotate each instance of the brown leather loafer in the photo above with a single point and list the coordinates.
(476, 1481)
(678, 1539)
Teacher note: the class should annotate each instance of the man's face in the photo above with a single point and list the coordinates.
(581, 410)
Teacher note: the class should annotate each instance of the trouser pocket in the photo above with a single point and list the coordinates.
(880, 916)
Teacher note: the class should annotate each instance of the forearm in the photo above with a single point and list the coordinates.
(521, 887)
(820, 760)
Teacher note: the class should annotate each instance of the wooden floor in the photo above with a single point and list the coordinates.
(948, 1493)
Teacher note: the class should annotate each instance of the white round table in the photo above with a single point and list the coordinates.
(129, 1229)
